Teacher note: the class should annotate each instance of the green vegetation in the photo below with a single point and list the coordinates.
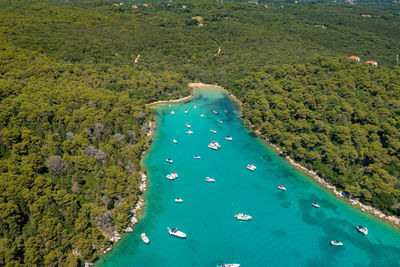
(335, 116)
(73, 120)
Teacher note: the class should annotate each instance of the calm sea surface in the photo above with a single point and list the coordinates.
(285, 230)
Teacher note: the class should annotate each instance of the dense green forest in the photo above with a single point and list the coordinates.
(335, 116)
(73, 89)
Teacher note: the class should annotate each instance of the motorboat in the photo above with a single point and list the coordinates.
(169, 160)
(215, 112)
(174, 141)
(281, 187)
(315, 205)
(229, 265)
(213, 131)
(251, 167)
(336, 243)
(176, 232)
(144, 238)
(363, 230)
(225, 111)
(220, 121)
(229, 138)
(173, 112)
(202, 116)
(196, 157)
(195, 106)
(187, 125)
(172, 176)
(186, 111)
(212, 146)
(243, 217)
(210, 180)
(179, 200)
(189, 132)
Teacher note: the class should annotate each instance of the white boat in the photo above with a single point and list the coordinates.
(176, 232)
(173, 112)
(210, 180)
(202, 116)
(172, 176)
(169, 160)
(189, 132)
(336, 243)
(228, 138)
(186, 111)
(179, 200)
(229, 265)
(195, 106)
(225, 111)
(315, 205)
(215, 112)
(174, 141)
(213, 131)
(363, 230)
(214, 145)
(281, 187)
(251, 167)
(144, 238)
(243, 217)
(187, 125)
(220, 121)
(196, 157)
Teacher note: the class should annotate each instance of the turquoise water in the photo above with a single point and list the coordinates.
(285, 230)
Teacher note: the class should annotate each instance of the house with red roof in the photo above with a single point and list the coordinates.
(354, 58)
(373, 63)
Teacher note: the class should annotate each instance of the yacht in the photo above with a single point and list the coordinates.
(251, 167)
(213, 131)
(174, 141)
(179, 200)
(229, 265)
(173, 112)
(228, 138)
(176, 232)
(189, 132)
(215, 112)
(196, 157)
(220, 121)
(315, 205)
(144, 238)
(172, 176)
(202, 116)
(336, 243)
(186, 111)
(210, 180)
(363, 230)
(169, 160)
(212, 146)
(187, 125)
(243, 217)
(281, 187)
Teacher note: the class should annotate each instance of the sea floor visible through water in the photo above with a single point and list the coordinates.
(286, 230)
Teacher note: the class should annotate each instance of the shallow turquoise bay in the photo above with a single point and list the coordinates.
(285, 230)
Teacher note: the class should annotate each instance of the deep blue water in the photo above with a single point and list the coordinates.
(285, 230)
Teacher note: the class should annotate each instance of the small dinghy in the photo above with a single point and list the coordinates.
(336, 243)
(281, 187)
(174, 141)
(173, 112)
(178, 200)
(228, 138)
(251, 167)
(196, 157)
(362, 229)
(169, 160)
(213, 131)
(189, 132)
(315, 205)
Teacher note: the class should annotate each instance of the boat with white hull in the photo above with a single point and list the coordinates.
(362, 229)
(145, 238)
(176, 232)
(210, 180)
(243, 217)
(251, 167)
(172, 176)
